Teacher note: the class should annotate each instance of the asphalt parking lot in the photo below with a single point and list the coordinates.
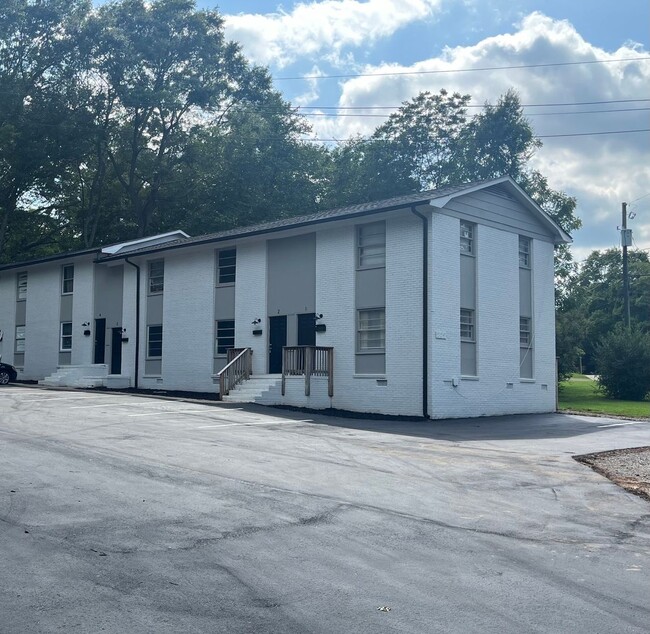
(122, 513)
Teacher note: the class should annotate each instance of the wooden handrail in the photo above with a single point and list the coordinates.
(308, 361)
(239, 368)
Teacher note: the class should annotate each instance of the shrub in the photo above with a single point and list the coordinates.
(623, 364)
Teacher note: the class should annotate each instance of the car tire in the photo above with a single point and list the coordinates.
(5, 377)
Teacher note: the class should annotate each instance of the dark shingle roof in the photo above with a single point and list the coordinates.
(339, 213)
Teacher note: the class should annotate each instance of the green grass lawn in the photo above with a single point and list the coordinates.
(579, 394)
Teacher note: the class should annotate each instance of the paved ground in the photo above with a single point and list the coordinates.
(128, 514)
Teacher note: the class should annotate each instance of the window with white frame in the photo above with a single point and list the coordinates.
(20, 339)
(525, 332)
(66, 336)
(156, 277)
(154, 341)
(225, 336)
(467, 325)
(371, 245)
(21, 286)
(467, 231)
(524, 252)
(226, 266)
(67, 279)
(371, 330)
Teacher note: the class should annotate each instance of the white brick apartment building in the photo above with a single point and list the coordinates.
(438, 304)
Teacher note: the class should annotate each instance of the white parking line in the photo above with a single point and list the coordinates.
(100, 405)
(265, 422)
(636, 422)
(172, 411)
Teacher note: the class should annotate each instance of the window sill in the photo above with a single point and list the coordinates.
(383, 351)
(371, 268)
(522, 380)
(469, 377)
(152, 376)
(369, 376)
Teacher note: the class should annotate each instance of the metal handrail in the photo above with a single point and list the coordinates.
(235, 371)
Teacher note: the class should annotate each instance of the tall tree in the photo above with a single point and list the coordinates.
(164, 68)
(39, 62)
(592, 302)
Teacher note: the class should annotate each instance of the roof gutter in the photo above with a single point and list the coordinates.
(137, 322)
(425, 311)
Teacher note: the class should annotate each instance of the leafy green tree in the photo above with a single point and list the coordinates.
(592, 300)
(251, 168)
(39, 65)
(164, 69)
(622, 362)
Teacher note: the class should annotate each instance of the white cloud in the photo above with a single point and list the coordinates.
(600, 171)
(314, 28)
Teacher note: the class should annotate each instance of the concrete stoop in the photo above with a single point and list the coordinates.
(86, 376)
(265, 389)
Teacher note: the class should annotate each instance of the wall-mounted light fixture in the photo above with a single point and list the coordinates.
(319, 327)
(257, 330)
(86, 328)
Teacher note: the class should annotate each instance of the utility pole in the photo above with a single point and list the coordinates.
(626, 239)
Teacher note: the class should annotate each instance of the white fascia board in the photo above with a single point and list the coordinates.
(141, 242)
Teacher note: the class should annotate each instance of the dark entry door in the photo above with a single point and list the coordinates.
(100, 340)
(307, 329)
(277, 339)
(116, 351)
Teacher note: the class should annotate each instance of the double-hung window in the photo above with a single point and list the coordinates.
(67, 279)
(20, 339)
(66, 336)
(156, 276)
(226, 266)
(21, 290)
(467, 325)
(154, 341)
(371, 330)
(525, 332)
(371, 245)
(467, 237)
(524, 252)
(225, 336)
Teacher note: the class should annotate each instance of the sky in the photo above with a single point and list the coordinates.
(388, 43)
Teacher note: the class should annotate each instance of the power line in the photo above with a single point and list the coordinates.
(463, 70)
(530, 114)
(523, 105)
(538, 136)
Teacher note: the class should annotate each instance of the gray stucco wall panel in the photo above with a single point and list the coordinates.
(21, 311)
(66, 307)
(371, 288)
(224, 302)
(292, 275)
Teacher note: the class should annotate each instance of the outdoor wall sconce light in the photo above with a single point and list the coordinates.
(257, 330)
(125, 339)
(319, 327)
(86, 325)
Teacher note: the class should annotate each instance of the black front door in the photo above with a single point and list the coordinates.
(277, 339)
(116, 351)
(307, 329)
(100, 340)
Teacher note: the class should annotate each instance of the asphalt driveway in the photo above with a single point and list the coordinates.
(122, 513)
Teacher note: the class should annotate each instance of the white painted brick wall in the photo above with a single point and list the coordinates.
(250, 302)
(8, 314)
(497, 327)
(188, 321)
(335, 298)
(129, 323)
(82, 312)
(42, 327)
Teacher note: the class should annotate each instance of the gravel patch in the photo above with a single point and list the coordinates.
(629, 468)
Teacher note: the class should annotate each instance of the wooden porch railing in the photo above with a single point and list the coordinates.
(308, 361)
(239, 367)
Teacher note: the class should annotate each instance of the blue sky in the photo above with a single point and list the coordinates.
(368, 37)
